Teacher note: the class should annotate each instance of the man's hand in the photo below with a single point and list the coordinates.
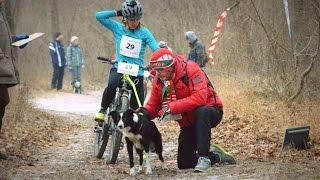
(143, 111)
(163, 113)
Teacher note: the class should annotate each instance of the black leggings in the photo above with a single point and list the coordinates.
(115, 80)
(4, 101)
(197, 138)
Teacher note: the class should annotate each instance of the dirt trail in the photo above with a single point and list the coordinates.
(71, 156)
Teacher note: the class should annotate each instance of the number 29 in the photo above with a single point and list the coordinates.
(130, 46)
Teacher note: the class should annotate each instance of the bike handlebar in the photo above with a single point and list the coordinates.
(110, 61)
(105, 60)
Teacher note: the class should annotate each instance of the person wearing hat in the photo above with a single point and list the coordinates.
(75, 60)
(182, 92)
(58, 59)
(197, 49)
(131, 39)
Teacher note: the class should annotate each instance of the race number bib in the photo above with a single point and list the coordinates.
(130, 47)
(126, 68)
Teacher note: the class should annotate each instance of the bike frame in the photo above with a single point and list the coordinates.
(127, 78)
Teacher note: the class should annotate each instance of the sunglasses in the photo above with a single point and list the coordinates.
(160, 65)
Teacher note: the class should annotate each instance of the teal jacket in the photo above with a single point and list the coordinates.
(130, 44)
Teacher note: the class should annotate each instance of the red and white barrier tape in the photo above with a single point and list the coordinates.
(216, 32)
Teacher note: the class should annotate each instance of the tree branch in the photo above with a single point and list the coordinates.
(303, 76)
(308, 70)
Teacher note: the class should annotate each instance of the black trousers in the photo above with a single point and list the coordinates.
(115, 80)
(4, 101)
(195, 141)
(57, 77)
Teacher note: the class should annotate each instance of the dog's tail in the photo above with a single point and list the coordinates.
(159, 147)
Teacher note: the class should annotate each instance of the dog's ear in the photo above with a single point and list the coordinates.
(131, 111)
(115, 115)
(133, 114)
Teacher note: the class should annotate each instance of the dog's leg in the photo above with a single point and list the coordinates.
(140, 152)
(148, 163)
(146, 145)
(130, 153)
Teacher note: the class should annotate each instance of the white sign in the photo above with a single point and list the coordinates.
(130, 47)
(25, 41)
(126, 68)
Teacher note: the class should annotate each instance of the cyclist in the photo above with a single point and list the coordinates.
(131, 39)
(182, 92)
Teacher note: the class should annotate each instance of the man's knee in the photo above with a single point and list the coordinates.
(186, 158)
(202, 117)
(186, 149)
(208, 115)
(200, 111)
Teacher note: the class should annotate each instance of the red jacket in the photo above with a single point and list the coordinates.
(189, 97)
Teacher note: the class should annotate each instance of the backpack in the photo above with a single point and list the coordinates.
(185, 78)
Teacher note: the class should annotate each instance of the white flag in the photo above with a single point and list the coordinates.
(286, 9)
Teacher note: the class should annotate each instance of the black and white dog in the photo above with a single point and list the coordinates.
(140, 133)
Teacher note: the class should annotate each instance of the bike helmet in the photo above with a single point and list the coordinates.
(131, 10)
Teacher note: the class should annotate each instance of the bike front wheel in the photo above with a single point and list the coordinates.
(115, 145)
(116, 137)
(101, 138)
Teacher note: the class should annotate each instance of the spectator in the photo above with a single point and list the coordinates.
(58, 61)
(198, 51)
(75, 60)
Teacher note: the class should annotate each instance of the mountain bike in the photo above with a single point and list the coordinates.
(121, 103)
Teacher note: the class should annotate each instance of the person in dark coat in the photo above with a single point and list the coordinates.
(58, 58)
